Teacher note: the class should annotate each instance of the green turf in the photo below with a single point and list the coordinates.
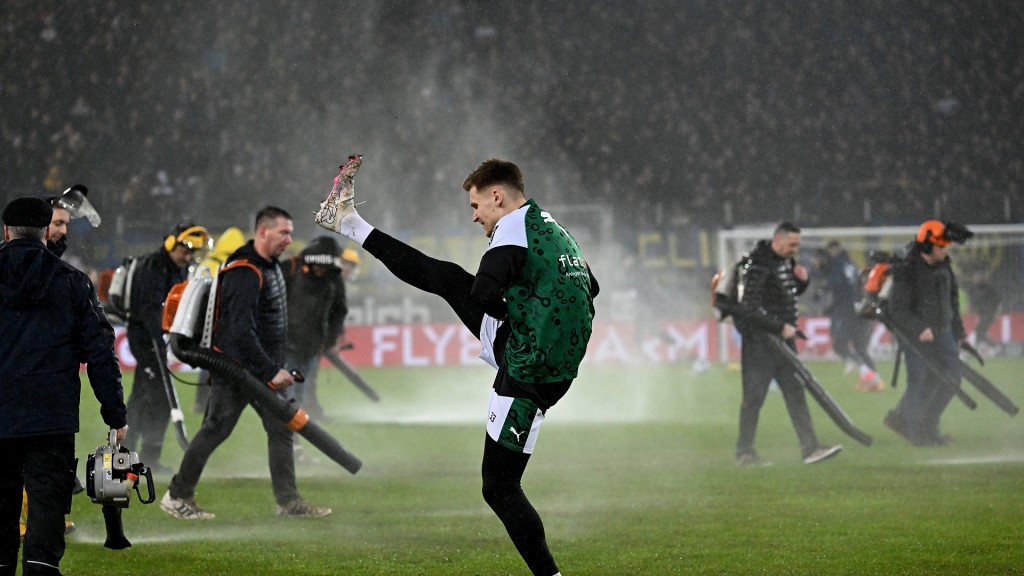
(633, 474)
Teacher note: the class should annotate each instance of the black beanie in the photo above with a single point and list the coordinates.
(29, 212)
(323, 251)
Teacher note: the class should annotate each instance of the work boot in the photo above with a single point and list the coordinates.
(894, 422)
(751, 459)
(299, 507)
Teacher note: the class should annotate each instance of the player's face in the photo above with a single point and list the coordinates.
(938, 254)
(787, 245)
(486, 207)
(276, 236)
(323, 271)
(349, 270)
(59, 224)
(181, 255)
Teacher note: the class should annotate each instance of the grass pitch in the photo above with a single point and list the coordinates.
(633, 474)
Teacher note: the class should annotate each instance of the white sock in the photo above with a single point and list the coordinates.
(354, 227)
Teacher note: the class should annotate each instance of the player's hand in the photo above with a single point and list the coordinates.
(789, 331)
(801, 273)
(926, 335)
(120, 434)
(281, 380)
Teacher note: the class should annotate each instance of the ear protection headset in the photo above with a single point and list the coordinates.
(192, 237)
(935, 233)
(350, 255)
(931, 234)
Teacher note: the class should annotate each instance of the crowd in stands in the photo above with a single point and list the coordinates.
(716, 113)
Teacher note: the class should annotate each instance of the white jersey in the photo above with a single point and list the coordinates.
(488, 332)
(509, 231)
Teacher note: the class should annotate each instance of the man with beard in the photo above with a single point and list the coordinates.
(771, 284)
(251, 328)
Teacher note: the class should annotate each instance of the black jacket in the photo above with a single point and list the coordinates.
(769, 292)
(925, 296)
(52, 322)
(251, 324)
(316, 310)
(841, 277)
(155, 274)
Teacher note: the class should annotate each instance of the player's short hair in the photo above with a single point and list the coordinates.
(786, 228)
(268, 214)
(495, 171)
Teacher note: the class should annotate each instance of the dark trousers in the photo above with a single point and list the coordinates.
(850, 337)
(502, 471)
(45, 467)
(227, 401)
(304, 393)
(761, 364)
(985, 319)
(445, 279)
(202, 392)
(926, 397)
(149, 410)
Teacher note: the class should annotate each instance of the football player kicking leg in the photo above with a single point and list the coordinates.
(502, 467)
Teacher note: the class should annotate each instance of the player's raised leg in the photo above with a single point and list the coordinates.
(445, 279)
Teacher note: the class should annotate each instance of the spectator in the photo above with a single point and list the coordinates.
(751, 109)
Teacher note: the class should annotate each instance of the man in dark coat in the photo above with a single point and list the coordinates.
(251, 328)
(925, 306)
(984, 300)
(148, 404)
(849, 331)
(771, 284)
(53, 322)
(316, 314)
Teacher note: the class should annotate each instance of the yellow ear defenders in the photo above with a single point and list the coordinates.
(350, 255)
(194, 238)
